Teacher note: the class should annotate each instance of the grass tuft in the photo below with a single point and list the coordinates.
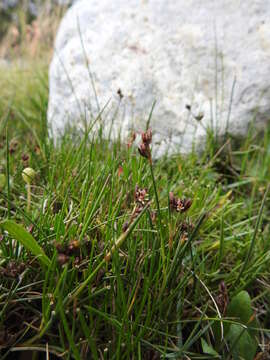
(143, 258)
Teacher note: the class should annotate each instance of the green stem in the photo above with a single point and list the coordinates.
(28, 188)
(162, 243)
(123, 237)
(8, 175)
(253, 240)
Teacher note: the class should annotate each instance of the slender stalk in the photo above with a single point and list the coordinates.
(162, 243)
(8, 170)
(107, 257)
(28, 189)
(252, 244)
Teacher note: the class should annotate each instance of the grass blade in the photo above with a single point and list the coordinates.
(252, 244)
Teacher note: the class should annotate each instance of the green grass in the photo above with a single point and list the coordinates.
(190, 285)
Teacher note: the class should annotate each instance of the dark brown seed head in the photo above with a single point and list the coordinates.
(73, 246)
(125, 226)
(223, 298)
(199, 117)
(120, 94)
(13, 269)
(222, 287)
(21, 267)
(63, 259)
(180, 205)
(25, 157)
(147, 137)
(173, 201)
(141, 195)
(144, 150)
(77, 261)
(59, 247)
(13, 146)
(138, 210)
(186, 204)
(56, 206)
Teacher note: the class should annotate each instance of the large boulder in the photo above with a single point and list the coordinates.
(205, 63)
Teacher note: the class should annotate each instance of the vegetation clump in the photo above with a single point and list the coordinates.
(110, 254)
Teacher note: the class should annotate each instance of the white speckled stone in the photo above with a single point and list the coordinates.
(175, 52)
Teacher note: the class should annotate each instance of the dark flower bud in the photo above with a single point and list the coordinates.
(147, 137)
(59, 247)
(199, 117)
(25, 157)
(73, 246)
(120, 94)
(141, 195)
(144, 148)
(77, 261)
(63, 259)
(180, 205)
(125, 226)
(144, 151)
(187, 204)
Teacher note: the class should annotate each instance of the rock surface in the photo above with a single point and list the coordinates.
(213, 56)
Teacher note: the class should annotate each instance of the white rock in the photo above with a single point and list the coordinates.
(177, 53)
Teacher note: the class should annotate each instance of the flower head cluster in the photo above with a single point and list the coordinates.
(179, 205)
(222, 298)
(13, 269)
(141, 195)
(65, 251)
(141, 198)
(144, 148)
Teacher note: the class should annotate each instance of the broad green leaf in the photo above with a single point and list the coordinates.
(243, 345)
(26, 239)
(240, 307)
(242, 340)
(207, 349)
